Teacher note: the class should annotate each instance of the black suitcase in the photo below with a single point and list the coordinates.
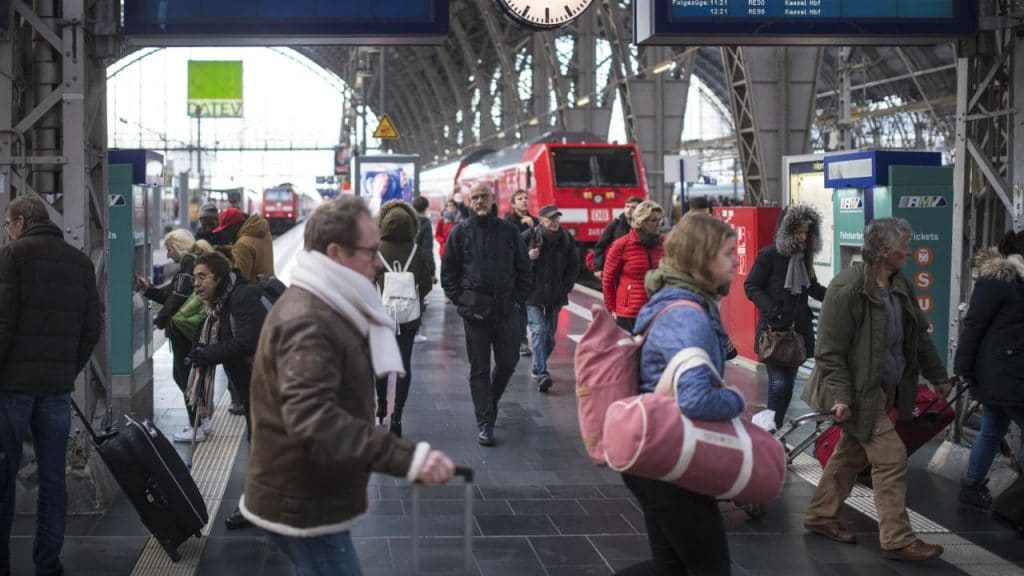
(154, 478)
(1009, 506)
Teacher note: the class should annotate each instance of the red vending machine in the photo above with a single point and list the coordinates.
(755, 229)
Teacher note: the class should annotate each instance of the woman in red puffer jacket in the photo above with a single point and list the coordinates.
(627, 261)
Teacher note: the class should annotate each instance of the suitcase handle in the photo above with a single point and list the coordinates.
(97, 439)
(466, 472)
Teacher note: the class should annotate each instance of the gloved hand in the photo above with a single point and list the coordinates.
(160, 322)
(197, 357)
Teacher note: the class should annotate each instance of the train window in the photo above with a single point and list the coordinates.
(572, 169)
(617, 167)
(278, 195)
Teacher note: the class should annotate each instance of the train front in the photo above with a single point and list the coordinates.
(589, 183)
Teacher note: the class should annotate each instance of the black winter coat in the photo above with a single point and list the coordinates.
(991, 348)
(241, 320)
(517, 221)
(486, 255)
(613, 231)
(555, 271)
(766, 284)
(425, 240)
(50, 312)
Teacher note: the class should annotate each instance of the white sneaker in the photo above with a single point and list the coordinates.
(186, 435)
(420, 338)
(207, 426)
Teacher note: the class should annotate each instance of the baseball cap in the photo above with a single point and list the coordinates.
(208, 210)
(549, 211)
(229, 218)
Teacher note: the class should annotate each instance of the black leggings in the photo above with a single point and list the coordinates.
(685, 530)
(405, 342)
(180, 347)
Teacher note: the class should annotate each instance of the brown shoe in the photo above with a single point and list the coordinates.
(832, 531)
(915, 552)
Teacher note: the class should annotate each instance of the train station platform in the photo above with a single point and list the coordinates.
(541, 508)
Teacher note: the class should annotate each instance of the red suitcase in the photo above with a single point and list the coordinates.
(931, 416)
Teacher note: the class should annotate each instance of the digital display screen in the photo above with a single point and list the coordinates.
(810, 9)
(803, 22)
(379, 179)
(283, 22)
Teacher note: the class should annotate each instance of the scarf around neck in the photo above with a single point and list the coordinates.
(354, 297)
(665, 275)
(202, 379)
(796, 275)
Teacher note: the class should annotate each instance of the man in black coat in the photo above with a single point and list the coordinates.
(49, 324)
(615, 229)
(555, 264)
(486, 274)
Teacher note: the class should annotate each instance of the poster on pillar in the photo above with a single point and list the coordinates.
(923, 195)
(215, 88)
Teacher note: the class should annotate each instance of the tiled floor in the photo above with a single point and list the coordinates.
(539, 507)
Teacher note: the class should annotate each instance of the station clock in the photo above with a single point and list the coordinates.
(544, 14)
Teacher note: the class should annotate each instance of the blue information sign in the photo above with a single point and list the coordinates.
(843, 22)
(284, 22)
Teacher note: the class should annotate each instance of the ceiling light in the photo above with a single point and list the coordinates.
(583, 101)
(664, 66)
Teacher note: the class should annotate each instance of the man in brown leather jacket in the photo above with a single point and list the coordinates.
(314, 443)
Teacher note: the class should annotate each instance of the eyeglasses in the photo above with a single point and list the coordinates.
(203, 277)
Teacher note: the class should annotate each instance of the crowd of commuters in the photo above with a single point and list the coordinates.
(506, 278)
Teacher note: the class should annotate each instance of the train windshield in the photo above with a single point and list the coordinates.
(278, 195)
(594, 167)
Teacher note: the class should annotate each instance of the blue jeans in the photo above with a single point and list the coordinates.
(543, 322)
(49, 416)
(780, 390)
(995, 421)
(330, 555)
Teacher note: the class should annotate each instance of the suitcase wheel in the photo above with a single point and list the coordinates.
(171, 550)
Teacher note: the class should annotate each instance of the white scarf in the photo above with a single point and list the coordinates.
(356, 298)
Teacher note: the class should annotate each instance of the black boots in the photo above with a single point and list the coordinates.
(486, 436)
(396, 426)
(975, 493)
(236, 521)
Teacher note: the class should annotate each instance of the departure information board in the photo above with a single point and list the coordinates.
(842, 22)
(284, 22)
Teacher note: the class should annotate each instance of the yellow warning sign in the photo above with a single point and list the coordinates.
(386, 129)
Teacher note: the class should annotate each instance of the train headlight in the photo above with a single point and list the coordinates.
(598, 199)
(588, 195)
(610, 195)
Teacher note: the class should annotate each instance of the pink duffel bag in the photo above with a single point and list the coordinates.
(648, 436)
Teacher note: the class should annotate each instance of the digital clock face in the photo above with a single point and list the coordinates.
(544, 14)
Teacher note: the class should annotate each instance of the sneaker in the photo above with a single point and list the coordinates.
(975, 494)
(420, 338)
(524, 350)
(186, 435)
(236, 408)
(207, 426)
(486, 436)
(544, 384)
(916, 552)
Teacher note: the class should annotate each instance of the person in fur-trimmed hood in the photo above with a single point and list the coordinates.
(990, 356)
(779, 284)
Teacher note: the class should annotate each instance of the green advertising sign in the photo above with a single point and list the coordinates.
(215, 88)
(924, 197)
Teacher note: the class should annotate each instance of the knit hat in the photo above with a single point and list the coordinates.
(229, 218)
(209, 210)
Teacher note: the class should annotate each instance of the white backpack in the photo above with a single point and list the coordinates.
(400, 295)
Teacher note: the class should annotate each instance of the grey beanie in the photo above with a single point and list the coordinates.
(209, 210)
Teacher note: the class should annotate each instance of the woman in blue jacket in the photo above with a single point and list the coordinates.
(685, 529)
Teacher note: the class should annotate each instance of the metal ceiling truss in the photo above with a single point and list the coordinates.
(622, 69)
(748, 139)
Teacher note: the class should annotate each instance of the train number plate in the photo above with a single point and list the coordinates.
(600, 215)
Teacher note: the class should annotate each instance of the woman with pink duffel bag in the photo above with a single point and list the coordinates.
(684, 527)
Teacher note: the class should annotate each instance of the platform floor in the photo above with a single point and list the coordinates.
(540, 507)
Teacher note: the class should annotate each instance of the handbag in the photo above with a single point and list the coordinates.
(189, 317)
(648, 436)
(781, 347)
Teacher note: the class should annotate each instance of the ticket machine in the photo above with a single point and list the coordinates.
(912, 185)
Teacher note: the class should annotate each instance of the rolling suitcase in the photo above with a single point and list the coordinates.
(931, 416)
(467, 548)
(154, 478)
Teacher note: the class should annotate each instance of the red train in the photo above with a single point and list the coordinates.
(589, 180)
(284, 205)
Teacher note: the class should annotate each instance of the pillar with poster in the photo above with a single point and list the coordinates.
(755, 229)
